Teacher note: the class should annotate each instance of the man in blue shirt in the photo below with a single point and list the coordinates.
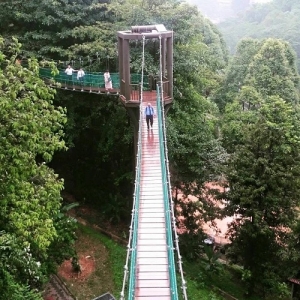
(149, 113)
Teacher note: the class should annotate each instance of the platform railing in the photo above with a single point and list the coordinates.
(135, 92)
(92, 80)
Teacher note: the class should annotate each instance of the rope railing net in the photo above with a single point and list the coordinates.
(91, 79)
(170, 216)
(133, 232)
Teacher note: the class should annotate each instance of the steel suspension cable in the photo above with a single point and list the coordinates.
(131, 246)
(171, 205)
(142, 79)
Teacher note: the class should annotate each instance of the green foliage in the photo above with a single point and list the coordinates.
(58, 29)
(32, 130)
(18, 263)
(266, 66)
(62, 247)
(263, 176)
(12, 290)
(273, 71)
(213, 266)
(260, 132)
(98, 167)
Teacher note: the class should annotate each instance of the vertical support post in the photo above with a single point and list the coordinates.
(170, 65)
(121, 64)
(126, 70)
(163, 59)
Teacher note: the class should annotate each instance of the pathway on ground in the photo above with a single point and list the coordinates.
(56, 290)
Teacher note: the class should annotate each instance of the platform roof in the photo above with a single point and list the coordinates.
(147, 31)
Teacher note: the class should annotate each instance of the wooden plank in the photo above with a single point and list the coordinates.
(146, 219)
(146, 242)
(155, 292)
(151, 225)
(150, 230)
(150, 210)
(157, 205)
(153, 298)
(146, 283)
(152, 254)
(152, 215)
(153, 275)
(153, 237)
(152, 269)
(151, 261)
(153, 248)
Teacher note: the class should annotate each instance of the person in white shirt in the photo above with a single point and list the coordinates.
(107, 80)
(69, 71)
(80, 76)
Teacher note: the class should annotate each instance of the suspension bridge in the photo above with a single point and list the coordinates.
(153, 267)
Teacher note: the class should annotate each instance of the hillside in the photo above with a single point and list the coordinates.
(277, 19)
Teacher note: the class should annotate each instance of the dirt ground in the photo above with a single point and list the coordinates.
(94, 265)
(87, 267)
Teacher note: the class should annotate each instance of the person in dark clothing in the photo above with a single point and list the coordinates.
(149, 113)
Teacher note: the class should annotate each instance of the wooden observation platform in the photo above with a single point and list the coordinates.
(130, 94)
(147, 32)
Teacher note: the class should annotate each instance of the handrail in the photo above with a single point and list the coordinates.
(167, 181)
(92, 79)
(132, 243)
(172, 267)
(162, 90)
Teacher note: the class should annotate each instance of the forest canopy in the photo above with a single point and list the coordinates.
(276, 19)
(97, 167)
(233, 121)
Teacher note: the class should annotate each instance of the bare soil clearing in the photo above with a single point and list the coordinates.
(95, 277)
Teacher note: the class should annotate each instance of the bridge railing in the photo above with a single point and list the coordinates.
(172, 237)
(135, 92)
(171, 261)
(91, 79)
(130, 266)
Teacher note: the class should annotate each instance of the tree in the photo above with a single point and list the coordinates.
(260, 132)
(273, 71)
(263, 175)
(268, 66)
(31, 128)
(236, 72)
(61, 30)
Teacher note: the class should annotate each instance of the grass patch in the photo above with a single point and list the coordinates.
(109, 259)
(228, 278)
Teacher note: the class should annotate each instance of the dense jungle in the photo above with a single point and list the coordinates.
(235, 121)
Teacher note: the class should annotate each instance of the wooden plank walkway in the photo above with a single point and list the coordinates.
(152, 271)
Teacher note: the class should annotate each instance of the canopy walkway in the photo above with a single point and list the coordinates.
(93, 82)
(153, 242)
(150, 271)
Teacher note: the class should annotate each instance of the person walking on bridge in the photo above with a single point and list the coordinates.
(80, 77)
(149, 113)
(107, 80)
(69, 72)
